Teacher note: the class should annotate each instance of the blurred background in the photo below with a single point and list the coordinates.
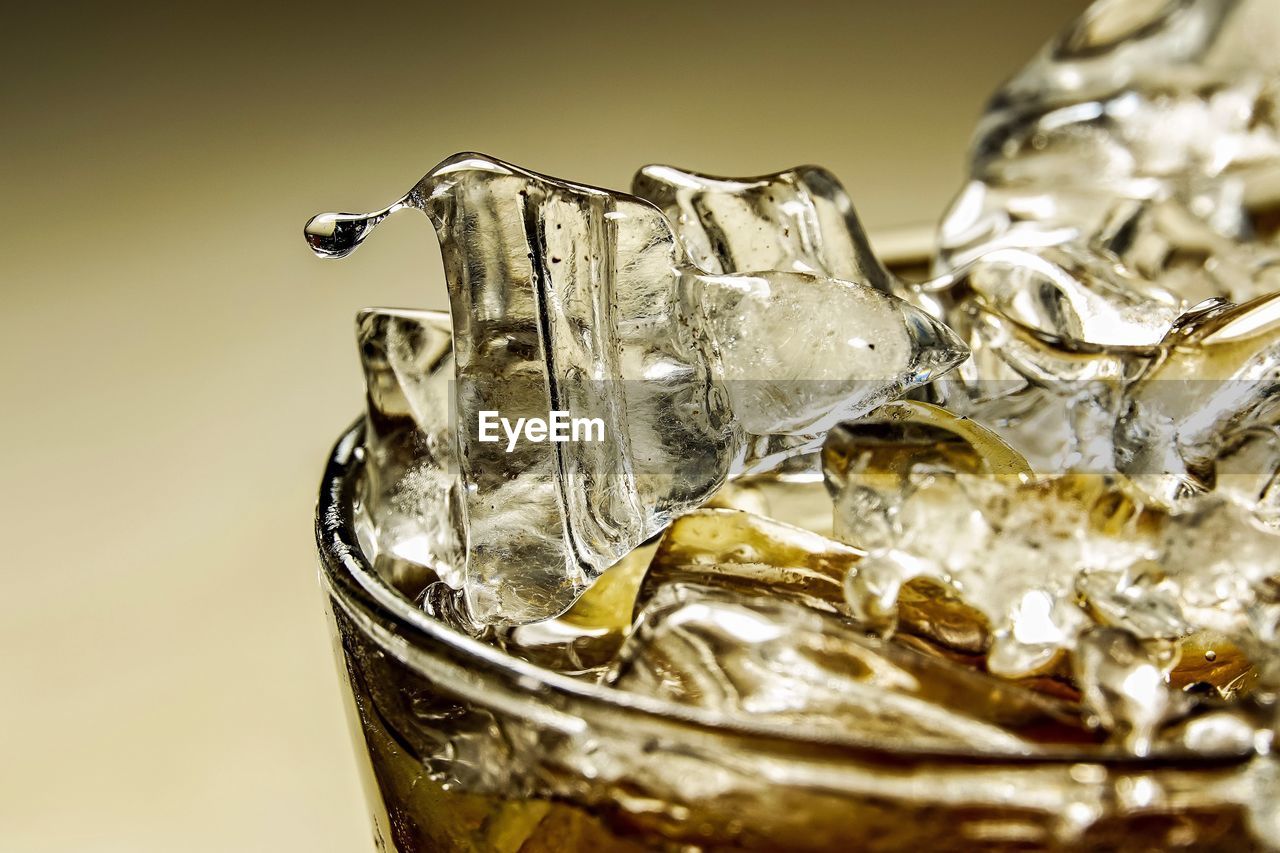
(176, 364)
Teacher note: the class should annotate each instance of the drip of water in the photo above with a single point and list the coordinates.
(336, 235)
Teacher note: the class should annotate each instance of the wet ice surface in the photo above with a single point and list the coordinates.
(412, 493)
(574, 299)
(1137, 102)
(768, 659)
(1080, 545)
(801, 220)
(1212, 393)
(1125, 176)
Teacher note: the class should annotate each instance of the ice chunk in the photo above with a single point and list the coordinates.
(798, 499)
(1074, 295)
(760, 659)
(1124, 683)
(571, 299)
(1226, 731)
(800, 220)
(1045, 559)
(1137, 100)
(1124, 176)
(742, 552)
(1218, 382)
(867, 463)
(1247, 472)
(754, 556)
(786, 374)
(412, 500)
(1221, 565)
(1055, 336)
(586, 637)
(1010, 547)
(1163, 241)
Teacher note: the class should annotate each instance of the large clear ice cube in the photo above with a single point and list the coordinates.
(575, 299)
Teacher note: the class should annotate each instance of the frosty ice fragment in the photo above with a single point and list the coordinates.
(1013, 549)
(1046, 560)
(878, 454)
(586, 637)
(571, 299)
(798, 220)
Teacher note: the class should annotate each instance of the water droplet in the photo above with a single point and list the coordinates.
(336, 235)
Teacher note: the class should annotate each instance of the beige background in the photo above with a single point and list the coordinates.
(175, 364)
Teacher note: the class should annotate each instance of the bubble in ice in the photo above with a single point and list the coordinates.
(575, 299)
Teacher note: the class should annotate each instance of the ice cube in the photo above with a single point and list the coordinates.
(1163, 241)
(412, 501)
(1124, 683)
(1047, 559)
(766, 660)
(578, 300)
(752, 555)
(867, 463)
(1055, 336)
(1221, 565)
(1217, 382)
(1074, 295)
(585, 638)
(1137, 100)
(1125, 175)
(785, 373)
(800, 220)
(1247, 472)
(1012, 548)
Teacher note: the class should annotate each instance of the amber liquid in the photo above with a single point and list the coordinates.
(400, 720)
